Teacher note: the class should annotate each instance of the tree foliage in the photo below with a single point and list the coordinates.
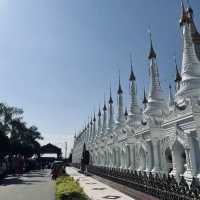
(15, 136)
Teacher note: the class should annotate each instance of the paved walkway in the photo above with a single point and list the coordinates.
(94, 189)
(36, 185)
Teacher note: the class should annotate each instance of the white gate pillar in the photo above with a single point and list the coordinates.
(132, 157)
(156, 167)
(174, 171)
(190, 160)
(122, 158)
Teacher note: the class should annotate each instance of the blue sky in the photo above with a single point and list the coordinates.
(57, 57)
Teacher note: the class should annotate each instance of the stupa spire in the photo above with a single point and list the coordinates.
(171, 98)
(178, 76)
(99, 113)
(190, 70)
(134, 108)
(184, 17)
(152, 53)
(94, 127)
(120, 102)
(88, 132)
(110, 99)
(154, 90)
(193, 29)
(126, 113)
(104, 117)
(145, 101)
(94, 118)
(156, 104)
(119, 91)
(104, 106)
(85, 132)
(99, 122)
(91, 130)
(132, 76)
(111, 112)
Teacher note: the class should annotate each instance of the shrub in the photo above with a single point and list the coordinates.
(69, 189)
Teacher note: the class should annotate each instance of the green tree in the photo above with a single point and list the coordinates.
(15, 136)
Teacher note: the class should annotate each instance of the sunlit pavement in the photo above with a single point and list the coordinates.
(36, 185)
(95, 189)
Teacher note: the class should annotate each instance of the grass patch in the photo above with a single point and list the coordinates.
(69, 189)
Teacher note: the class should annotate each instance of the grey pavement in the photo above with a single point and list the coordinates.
(36, 185)
(95, 189)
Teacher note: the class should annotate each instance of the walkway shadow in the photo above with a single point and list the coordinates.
(19, 180)
(11, 181)
(32, 181)
(34, 175)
